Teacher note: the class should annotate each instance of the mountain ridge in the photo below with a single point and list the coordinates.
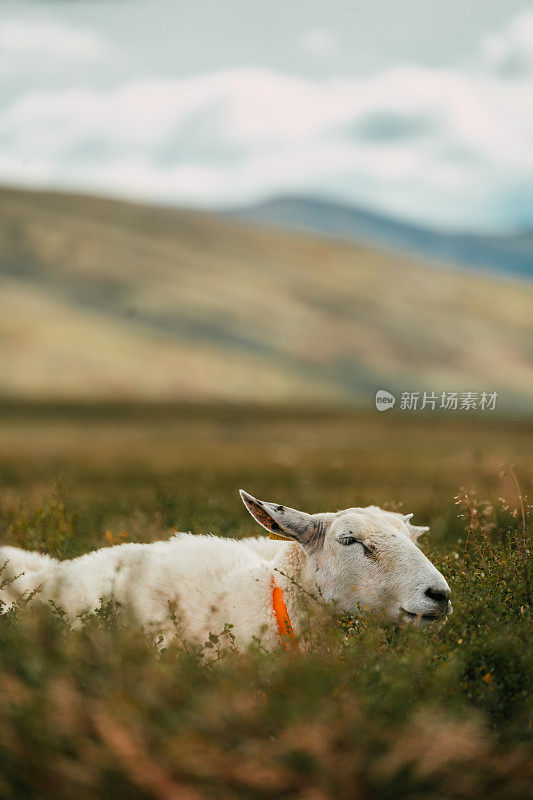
(508, 254)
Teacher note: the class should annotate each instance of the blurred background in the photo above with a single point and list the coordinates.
(266, 202)
(208, 208)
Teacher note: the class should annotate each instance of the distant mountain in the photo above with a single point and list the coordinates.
(510, 254)
(104, 299)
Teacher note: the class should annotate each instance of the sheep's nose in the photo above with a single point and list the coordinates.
(438, 595)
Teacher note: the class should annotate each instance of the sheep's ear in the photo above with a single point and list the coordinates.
(417, 530)
(287, 522)
(414, 530)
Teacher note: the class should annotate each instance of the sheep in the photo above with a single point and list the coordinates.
(365, 560)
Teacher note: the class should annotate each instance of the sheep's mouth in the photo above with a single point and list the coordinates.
(429, 617)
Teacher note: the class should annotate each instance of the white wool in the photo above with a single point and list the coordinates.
(212, 581)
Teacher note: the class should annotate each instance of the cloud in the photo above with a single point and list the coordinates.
(450, 147)
(509, 53)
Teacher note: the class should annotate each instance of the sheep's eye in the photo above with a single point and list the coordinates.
(348, 540)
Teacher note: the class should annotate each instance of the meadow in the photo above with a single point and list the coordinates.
(370, 712)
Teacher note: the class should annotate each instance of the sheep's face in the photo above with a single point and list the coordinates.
(364, 559)
(368, 561)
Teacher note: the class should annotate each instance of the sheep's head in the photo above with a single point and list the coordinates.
(365, 559)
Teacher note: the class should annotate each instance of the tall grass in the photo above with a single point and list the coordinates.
(368, 712)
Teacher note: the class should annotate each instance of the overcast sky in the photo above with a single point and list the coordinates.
(419, 109)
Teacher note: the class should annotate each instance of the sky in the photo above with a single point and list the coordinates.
(420, 110)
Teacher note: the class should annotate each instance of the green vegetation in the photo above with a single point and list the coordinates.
(369, 713)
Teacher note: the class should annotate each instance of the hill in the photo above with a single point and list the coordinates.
(509, 254)
(107, 299)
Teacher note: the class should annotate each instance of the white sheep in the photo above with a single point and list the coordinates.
(363, 559)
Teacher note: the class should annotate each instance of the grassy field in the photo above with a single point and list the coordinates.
(369, 713)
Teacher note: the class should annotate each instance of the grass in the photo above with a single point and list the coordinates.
(368, 713)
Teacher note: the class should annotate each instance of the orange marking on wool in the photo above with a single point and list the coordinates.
(282, 618)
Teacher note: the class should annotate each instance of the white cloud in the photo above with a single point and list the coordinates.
(510, 51)
(445, 146)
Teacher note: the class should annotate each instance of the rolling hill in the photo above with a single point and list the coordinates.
(101, 299)
(508, 254)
